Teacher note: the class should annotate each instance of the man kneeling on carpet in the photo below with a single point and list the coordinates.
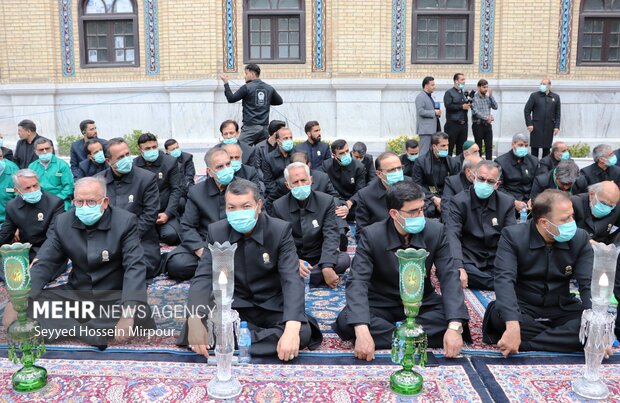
(105, 295)
(269, 293)
(373, 293)
(534, 264)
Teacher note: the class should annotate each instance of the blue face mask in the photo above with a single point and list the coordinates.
(225, 176)
(32, 197)
(89, 215)
(99, 157)
(567, 231)
(600, 210)
(287, 145)
(483, 190)
(236, 165)
(442, 153)
(150, 155)
(124, 165)
(176, 153)
(461, 86)
(412, 157)
(346, 159)
(301, 192)
(543, 88)
(565, 156)
(611, 161)
(393, 177)
(47, 157)
(520, 152)
(413, 225)
(232, 140)
(242, 221)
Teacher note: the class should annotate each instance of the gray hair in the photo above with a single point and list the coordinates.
(556, 145)
(595, 188)
(223, 146)
(521, 137)
(243, 186)
(567, 171)
(600, 151)
(467, 164)
(211, 153)
(92, 180)
(23, 173)
(489, 165)
(295, 165)
(41, 140)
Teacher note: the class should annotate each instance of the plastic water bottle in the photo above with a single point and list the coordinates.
(523, 215)
(307, 281)
(245, 341)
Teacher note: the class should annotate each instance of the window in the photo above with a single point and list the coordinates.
(108, 33)
(274, 31)
(599, 32)
(443, 31)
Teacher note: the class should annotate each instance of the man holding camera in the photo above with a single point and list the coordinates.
(458, 103)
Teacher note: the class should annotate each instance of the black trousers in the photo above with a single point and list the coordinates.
(169, 232)
(181, 263)
(542, 328)
(483, 133)
(545, 151)
(457, 133)
(316, 275)
(480, 278)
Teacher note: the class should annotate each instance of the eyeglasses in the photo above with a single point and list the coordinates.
(414, 213)
(392, 170)
(89, 203)
(490, 181)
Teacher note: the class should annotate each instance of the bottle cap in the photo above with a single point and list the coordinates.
(244, 324)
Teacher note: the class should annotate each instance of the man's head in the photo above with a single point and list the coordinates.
(298, 180)
(483, 86)
(26, 184)
(604, 197)
(26, 129)
(469, 163)
(94, 150)
(359, 150)
(313, 131)
(552, 212)
(405, 201)
(459, 81)
(604, 156)
(545, 85)
(88, 129)
(300, 157)
(230, 131)
(486, 178)
(235, 153)
(439, 144)
(412, 149)
(173, 148)
(243, 205)
(252, 72)
(43, 148)
(284, 139)
(559, 149)
(274, 126)
(89, 199)
(118, 156)
(340, 152)
(520, 142)
(470, 148)
(219, 166)
(428, 84)
(565, 174)
(147, 142)
(389, 168)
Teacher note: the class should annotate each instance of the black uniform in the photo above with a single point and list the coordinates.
(268, 289)
(473, 226)
(431, 172)
(317, 153)
(532, 286)
(107, 261)
(273, 175)
(88, 168)
(248, 172)
(137, 193)
(517, 174)
(407, 165)
(346, 180)
(543, 112)
(32, 220)
(456, 119)
(260, 152)
(315, 232)
(188, 176)
(373, 293)
(546, 181)
(599, 229)
(453, 185)
(169, 182)
(594, 174)
(78, 154)
(547, 163)
(7, 154)
(24, 152)
(369, 166)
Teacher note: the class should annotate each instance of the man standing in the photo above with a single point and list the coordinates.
(230, 135)
(257, 98)
(54, 174)
(24, 150)
(542, 117)
(78, 149)
(427, 114)
(482, 119)
(457, 105)
(317, 150)
(535, 262)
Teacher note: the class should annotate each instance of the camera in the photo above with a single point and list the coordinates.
(469, 96)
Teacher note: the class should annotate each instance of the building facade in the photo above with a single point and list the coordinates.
(355, 66)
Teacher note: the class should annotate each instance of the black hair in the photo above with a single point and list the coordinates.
(144, 137)
(338, 145)
(401, 192)
(85, 123)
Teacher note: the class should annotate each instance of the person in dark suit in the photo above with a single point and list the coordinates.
(604, 167)
(7, 153)
(266, 146)
(205, 205)
(312, 216)
(428, 113)
(596, 212)
(542, 117)
(360, 153)
(565, 177)
(95, 159)
(169, 182)
(187, 170)
(274, 164)
(457, 108)
(476, 218)
(88, 128)
(134, 189)
(518, 171)
(24, 149)
(242, 170)
(29, 216)
(317, 150)
(559, 152)
(373, 294)
(269, 293)
(108, 268)
(535, 262)
(455, 184)
(408, 159)
(230, 135)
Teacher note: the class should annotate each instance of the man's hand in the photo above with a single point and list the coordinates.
(224, 78)
(530, 128)
(364, 343)
(304, 268)
(16, 237)
(489, 91)
(288, 345)
(197, 336)
(519, 205)
(463, 277)
(162, 218)
(330, 276)
(452, 343)
(199, 252)
(438, 113)
(490, 119)
(511, 339)
(122, 330)
(342, 211)
(437, 202)
(466, 106)
(556, 131)
(10, 315)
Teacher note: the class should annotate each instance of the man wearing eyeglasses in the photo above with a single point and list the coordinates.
(474, 222)
(374, 303)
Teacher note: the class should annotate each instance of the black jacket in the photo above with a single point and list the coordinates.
(317, 153)
(593, 174)
(369, 166)
(273, 174)
(517, 174)
(546, 181)
(370, 204)
(454, 100)
(346, 180)
(423, 172)
(407, 165)
(547, 163)
(260, 152)
(247, 154)
(205, 205)
(599, 229)
(187, 170)
(7, 154)
(169, 181)
(257, 98)
(89, 168)
(24, 153)
(543, 112)
(78, 154)
(321, 183)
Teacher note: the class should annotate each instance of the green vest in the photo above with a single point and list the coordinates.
(55, 178)
(7, 192)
